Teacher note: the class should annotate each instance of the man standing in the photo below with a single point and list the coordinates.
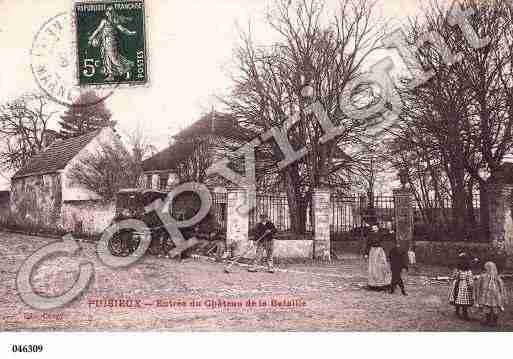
(264, 232)
(398, 262)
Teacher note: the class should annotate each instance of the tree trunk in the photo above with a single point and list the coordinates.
(471, 218)
(459, 205)
(297, 206)
(484, 208)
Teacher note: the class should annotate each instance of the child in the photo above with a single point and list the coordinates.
(490, 294)
(411, 258)
(461, 294)
(398, 262)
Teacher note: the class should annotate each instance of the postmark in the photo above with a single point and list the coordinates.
(110, 43)
(51, 60)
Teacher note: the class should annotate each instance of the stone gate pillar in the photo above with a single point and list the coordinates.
(501, 217)
(237, 220)
(321, 204)
(403, 204)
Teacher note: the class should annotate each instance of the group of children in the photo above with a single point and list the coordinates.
(485, 291)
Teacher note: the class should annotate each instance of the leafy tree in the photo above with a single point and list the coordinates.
(88, 113)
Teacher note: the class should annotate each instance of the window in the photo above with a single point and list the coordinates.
(163, 181)
(149, 183)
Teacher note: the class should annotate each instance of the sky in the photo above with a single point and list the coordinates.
(190, 44)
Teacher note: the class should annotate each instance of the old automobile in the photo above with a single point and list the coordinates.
(132, 204)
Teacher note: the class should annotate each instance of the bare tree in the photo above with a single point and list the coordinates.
(23, 129)
(193, 166)
(269, 83)
(107, 170)
(463, 112)
(139, 143)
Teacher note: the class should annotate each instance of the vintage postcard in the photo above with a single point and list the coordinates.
(256, 166)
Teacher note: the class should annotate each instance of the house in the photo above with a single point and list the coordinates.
(4, 205)
(42, 193)
(193, 150)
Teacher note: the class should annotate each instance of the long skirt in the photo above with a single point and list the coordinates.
(379, 269)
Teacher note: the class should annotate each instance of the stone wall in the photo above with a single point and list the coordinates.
(36, 200)
(293, 249)
(442, 253)
(436, 253)
(346, 246)
(285, 249)
(88, 217)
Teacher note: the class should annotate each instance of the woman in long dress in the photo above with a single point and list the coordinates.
(114, 63)
(379, 273)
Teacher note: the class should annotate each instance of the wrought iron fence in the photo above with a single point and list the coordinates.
(219, 209)
(350, 213)
(384, 208)
(441, 214)
(345, 213)
(276, 207)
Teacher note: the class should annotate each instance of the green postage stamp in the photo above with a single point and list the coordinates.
(111, 43)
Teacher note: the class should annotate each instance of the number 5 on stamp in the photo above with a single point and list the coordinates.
(111, 43)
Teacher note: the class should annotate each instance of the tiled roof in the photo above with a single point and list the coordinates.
(56, 156)
(168, 158)
(219, 124)
(222, 126)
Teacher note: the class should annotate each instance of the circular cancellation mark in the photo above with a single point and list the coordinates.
(52, 64)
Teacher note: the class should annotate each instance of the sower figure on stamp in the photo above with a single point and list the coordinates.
(114, 63)
(264, 232)
(398, 261)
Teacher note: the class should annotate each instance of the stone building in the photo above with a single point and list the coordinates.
(193, 150)
(4, 205)
(43, 195)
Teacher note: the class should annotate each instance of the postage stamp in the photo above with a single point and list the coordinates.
(111, 43)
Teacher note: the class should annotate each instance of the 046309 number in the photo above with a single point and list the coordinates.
(17, 348)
